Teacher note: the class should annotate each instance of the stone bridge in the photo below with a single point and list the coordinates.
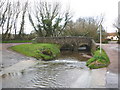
(73, 43)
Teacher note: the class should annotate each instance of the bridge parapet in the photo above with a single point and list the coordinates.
(73, 41)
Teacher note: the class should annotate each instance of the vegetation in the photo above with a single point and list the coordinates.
(98, 60)
(86, 26)
(46, 19)
(42, 51)
(50, 21)
(10, 14)
(17, 41)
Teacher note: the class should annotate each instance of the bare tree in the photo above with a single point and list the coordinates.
(21, 32)
(3, 11)
(9, 15)
(49, 19)
(8, 18)
(2, 3)
(17, 10)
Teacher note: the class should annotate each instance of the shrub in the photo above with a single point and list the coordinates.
(46, 53)
(98, 60)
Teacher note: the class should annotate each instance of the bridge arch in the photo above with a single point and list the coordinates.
(84, 47)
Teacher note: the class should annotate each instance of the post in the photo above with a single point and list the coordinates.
(100, 37)
(119, 14)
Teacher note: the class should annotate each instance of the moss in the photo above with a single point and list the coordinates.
(98, 60)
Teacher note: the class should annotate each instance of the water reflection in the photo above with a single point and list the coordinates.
(74, 55)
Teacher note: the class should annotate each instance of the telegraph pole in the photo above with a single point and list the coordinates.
(100, 38)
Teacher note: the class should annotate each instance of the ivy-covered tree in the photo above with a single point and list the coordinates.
(50, 21)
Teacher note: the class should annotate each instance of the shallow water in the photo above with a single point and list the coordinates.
(68, 71)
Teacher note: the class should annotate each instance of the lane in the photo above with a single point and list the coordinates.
(112, 51)
(9, 57)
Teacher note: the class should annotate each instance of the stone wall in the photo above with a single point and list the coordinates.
(93, 45)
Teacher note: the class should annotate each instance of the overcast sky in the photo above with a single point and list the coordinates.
(84, 8)
(93, 8)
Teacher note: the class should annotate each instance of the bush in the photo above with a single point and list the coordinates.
(45, 54)
(98, 60)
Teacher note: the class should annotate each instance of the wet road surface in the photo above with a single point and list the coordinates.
(9, 57)
(112, 51)
(53, 74)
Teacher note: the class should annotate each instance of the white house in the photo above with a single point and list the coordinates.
(112, 36)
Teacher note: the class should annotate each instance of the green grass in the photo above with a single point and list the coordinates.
(16, 41)
(98, 60)
(35, 50)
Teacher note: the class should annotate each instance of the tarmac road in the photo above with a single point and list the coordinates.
(112, 51)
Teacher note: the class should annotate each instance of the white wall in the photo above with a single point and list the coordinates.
(112, 37)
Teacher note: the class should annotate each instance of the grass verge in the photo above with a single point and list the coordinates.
(39, 51)
(98, 60)
(16, 41)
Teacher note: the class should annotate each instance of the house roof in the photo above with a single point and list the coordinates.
(111, 34)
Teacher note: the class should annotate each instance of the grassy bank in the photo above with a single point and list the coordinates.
(98, 60)
(39, 51)
(17, 41)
